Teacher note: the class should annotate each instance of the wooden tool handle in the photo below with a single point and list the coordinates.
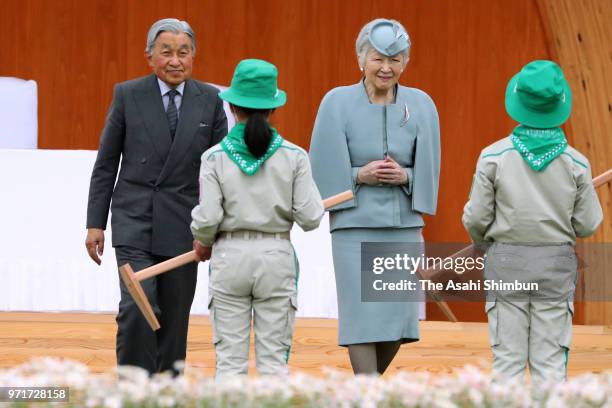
(603, 178)
(338, 199)
(192, 257)
(429, 274)
(166, 266)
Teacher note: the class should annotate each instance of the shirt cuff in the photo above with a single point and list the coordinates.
(408, 186)
(355, 171)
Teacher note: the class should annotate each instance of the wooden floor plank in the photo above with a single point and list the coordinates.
(90, 338)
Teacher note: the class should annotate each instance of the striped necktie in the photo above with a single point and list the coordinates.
(171, 112)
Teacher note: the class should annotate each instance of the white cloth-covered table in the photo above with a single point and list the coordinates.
(18, 114)
(43, 262)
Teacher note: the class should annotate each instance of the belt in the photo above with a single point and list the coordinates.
(248, 234)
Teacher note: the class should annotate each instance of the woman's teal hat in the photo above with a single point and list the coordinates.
(254, 86)
(388, 38)
(539, 96)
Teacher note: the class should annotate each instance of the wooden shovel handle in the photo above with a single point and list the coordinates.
(166, 266)
(337, 199)
(603, 178)
(192, 257)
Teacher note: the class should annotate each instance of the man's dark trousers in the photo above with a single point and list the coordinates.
(171, 295)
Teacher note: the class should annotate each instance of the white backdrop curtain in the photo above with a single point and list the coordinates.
(18, 114)
(43, 262)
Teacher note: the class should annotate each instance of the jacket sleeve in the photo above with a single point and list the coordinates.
(479, 212)
(426, 171)
(587, 210)
(219, 130)
(208, 214)
(329, 153)
(107, 161)
(307, 206)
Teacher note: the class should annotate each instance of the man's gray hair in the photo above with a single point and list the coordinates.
(363, 45)
(172, 25)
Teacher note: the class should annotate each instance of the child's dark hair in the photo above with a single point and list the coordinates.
(257, 133)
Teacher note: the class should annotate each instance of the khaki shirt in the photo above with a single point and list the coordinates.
(510, 202)
(280, 192)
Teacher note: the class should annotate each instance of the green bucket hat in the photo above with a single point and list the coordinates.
(254, 86)
(539, 96)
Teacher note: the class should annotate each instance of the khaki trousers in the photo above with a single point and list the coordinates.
(252, 279)
(531, 326)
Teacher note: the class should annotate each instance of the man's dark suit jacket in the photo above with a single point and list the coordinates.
(158, 183)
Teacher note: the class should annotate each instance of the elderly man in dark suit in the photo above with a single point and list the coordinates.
(158, 126)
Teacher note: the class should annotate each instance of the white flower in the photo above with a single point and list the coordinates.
(469, 386)
(112, 401)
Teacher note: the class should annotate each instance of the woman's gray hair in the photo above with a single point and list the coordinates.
(172, 25)
(363, 45)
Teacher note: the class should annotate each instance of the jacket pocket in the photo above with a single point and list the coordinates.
(565, 337)
(216, 338)
(291, 310)
(492, 309)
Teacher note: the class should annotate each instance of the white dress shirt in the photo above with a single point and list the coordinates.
(164, 88)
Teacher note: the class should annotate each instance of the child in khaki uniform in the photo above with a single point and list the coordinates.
(254, 185)
(531, 197)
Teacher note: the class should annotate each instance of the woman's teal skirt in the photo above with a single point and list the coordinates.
(369, 322)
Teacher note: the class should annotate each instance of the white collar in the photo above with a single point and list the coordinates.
(164, 88)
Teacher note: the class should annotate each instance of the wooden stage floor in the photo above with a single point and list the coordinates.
(89, 338)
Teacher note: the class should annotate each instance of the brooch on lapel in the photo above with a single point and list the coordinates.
(406, 116)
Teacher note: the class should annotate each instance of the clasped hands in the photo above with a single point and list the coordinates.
(386, 171)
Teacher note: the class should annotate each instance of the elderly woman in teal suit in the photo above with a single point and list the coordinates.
(382, 140)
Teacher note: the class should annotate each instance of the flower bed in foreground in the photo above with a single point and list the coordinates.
(467, 387)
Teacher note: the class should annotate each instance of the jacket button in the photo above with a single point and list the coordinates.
(156, 189)
(143, 160)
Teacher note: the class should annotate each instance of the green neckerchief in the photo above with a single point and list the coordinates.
(538, 147)
(234, 146)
